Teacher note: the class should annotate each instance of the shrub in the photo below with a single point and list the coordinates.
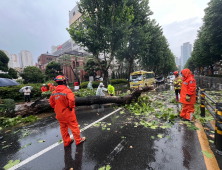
(85, 93)
(19, 81)
(5, 76)
(46, 94)
(7, 106)
(12, 92)
(95, 84)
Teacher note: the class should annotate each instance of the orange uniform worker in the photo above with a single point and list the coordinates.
(63, 102)
(52, 87)
(188, 95)
(44, 88)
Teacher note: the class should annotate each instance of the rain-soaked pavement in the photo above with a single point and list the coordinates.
(120, 145)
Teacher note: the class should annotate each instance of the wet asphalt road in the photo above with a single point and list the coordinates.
(122, 147)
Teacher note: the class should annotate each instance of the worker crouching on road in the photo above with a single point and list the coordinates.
(63, 102)
(177, 82)
(111, 90)
(100, 89)
(188, 95)
(44, 88)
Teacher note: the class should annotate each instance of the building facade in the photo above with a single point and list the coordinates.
(13, 59)
(186, 50)
(25, 59)
(44, 59)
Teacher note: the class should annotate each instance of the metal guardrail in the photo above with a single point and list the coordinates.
(216, 112)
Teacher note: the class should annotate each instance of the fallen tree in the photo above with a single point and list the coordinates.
(42, 104)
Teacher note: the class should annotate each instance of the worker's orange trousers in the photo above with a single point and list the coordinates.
(187, 111)
(73, 125)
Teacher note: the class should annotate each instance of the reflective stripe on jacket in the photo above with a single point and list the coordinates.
(188, 87)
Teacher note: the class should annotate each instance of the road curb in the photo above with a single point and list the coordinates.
(211, 163)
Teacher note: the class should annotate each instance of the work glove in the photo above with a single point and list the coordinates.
(188, 98)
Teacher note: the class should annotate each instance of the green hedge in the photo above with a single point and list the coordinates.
(7, 106)
(95, 84)
(12, 92)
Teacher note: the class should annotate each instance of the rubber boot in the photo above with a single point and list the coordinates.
(177, 98)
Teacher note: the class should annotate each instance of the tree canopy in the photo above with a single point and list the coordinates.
(52, 70)
(91, 67)
(208, 45)
(3, 61)
(32, 74)
(13, 73)
(104, 27)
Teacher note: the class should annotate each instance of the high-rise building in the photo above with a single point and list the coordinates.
(25, 59)
(186, 50)
(176, 60)
(74, 15)
(13, 60)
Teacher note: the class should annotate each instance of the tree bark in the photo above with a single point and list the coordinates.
(43, 105)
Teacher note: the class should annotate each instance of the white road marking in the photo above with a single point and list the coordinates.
(56, 144)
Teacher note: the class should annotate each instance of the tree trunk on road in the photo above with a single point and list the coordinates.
(42, 104)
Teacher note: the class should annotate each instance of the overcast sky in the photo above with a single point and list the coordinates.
(37, 25)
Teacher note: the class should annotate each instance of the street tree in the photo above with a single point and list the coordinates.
(103, 29)
(53, 69)
(13, 73)
(91, 67)
(139, 39)
(32, 74)
(208, 45)
(3, 61)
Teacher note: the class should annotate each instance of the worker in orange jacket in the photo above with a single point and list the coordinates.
(44, 88)
(52, 87)
(63, 102)
(188, 95)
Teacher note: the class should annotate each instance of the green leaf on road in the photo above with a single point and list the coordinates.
(211, 141)
(103, 128)
(122, 112)
(160, 136)
(121, 127)
(40, 141)
(60, 141)
(3, 141)
(108, 128)
(207, 154)
(26, 146)
(152, 137)
(5, 146)
(108, 167)
(168, 137)
(117, 116)
(109, 124)
(212, 131)
(11, 164)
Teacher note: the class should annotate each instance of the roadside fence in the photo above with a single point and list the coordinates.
(215, 110)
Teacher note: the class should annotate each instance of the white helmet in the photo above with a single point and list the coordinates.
(101, 84)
